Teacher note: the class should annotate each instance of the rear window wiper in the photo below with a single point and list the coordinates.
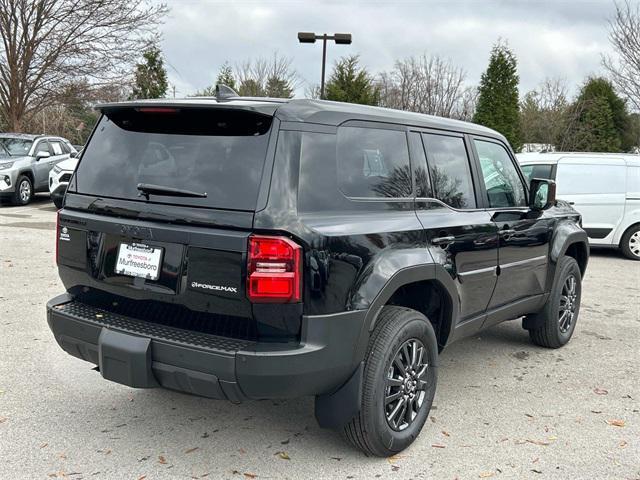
(147, 189)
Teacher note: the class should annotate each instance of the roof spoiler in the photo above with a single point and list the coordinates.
(223, 93)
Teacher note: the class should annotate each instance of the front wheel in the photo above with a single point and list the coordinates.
(399, 383)
(24, 191)
(557, 320)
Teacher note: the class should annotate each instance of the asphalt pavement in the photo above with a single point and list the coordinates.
(504, 408)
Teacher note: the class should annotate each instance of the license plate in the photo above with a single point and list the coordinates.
(139, 260)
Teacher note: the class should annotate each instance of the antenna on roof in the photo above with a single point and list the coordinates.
(225, 93)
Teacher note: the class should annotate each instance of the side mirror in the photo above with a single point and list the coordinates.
(73, 155)
(542, 194)
(42, 154)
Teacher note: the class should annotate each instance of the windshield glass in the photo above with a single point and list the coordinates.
(214, 151)
(15, 146)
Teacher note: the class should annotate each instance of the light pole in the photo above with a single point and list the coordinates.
(310, 37)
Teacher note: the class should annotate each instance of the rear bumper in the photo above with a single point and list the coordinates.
(143, 354)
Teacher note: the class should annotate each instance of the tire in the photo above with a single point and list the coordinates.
(24, 191)
(370, 430)
(557, 319)
(630, 243)
(57, 201)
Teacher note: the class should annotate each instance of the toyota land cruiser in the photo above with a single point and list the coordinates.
(240, 248)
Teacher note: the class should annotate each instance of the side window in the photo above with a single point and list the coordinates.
(501, 179)
(373, 163)
(56, 147)
(449, 170)
(65, 147)
(43, 146)
(419, 162)
(537, 171)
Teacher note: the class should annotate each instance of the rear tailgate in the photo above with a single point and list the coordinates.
(200, 272)
(159, 211)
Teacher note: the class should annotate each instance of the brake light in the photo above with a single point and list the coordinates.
(157, 110)
(57, 233)
(274, 270)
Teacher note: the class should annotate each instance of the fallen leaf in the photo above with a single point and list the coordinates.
(395, 458)
(600, 391)
(283, 455)
(437, 445)
(445, 433)
(44, 445)
(191, 450)
(251, 475)
(616, 423)
(623, 444)
(142, 477)
(242, 451)
(536, 471)
(162, 460)
(528, 415)
(285, 442)
(596, 411)
(486, 474)
(394, 468)
(538, 442)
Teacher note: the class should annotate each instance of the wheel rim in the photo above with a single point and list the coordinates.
(406, 384)
(634, 243)
(25, 190)
(568, 303)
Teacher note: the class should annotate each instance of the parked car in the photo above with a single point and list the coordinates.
(604, 188)
(25, 162)
(59, 177)
(257, 249)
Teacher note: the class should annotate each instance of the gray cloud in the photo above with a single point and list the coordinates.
(550, 38)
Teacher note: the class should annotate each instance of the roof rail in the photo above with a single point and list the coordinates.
(223, 92)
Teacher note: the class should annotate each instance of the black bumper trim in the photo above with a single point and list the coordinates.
(218, 367)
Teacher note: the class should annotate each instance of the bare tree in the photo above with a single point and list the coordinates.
(545, 113)
(426, 84)
(267, 77)
(624, 66)
(48, 44)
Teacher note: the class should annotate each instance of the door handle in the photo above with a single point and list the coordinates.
(443, 240)
(507, 232)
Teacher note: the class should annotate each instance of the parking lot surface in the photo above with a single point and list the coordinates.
(504, 408)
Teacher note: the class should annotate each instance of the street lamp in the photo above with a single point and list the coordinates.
(310, 37)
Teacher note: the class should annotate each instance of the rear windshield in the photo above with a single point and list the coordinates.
(213, 151)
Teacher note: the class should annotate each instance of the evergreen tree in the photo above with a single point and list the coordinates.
(150, 76)
(497, 106)
(278, 88)
(600, 121)
(350, 83)
(226, 77)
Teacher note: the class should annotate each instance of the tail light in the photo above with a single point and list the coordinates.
(274, 270)
(57, 239)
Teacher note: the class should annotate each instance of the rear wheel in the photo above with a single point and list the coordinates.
(24, 191)
(399, 383)
(556, 322)
(630, 243)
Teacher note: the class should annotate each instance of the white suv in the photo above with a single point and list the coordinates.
(603, 187)
(59, 178)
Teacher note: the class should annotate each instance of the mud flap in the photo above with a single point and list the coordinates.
(125, 359)
(337, 409)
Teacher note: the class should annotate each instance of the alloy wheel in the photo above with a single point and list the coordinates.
(25, 190)
(406, 385)
(568, 303)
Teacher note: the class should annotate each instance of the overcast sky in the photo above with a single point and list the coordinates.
(550, 38)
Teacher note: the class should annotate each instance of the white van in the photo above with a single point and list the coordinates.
(603, 187)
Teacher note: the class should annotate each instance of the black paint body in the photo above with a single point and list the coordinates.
(358, 254)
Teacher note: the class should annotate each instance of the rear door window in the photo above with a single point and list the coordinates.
(449, 169)
(584, 179)
(56, 147)
(220, 152)
(373, 162)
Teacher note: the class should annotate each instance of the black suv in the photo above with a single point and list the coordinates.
(254, 249)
